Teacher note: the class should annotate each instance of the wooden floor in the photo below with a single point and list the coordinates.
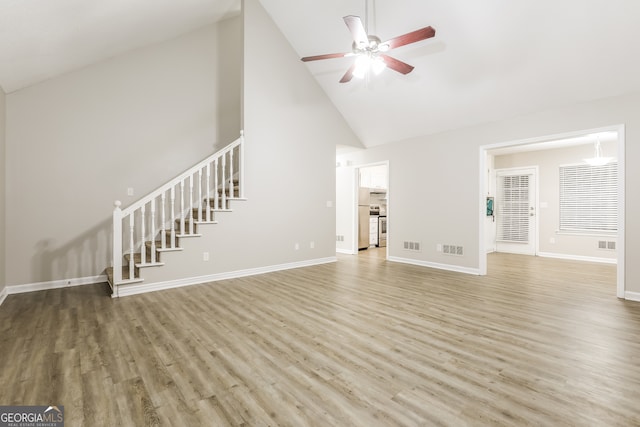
(360, 342)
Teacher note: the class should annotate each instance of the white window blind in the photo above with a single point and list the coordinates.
(513, 208)
(589, 198)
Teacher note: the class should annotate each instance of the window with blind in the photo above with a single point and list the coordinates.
(589, 198)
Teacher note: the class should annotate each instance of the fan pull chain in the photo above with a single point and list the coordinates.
(366, 16)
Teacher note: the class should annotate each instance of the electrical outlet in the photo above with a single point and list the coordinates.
(205, 256)
(130, 191)
(312, 244)
(439, 247)
(296, 246)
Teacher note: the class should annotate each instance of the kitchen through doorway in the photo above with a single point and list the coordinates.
(372, 210)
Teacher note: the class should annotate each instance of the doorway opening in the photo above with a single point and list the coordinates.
(372, 209)
(538, 225)
(362, 208)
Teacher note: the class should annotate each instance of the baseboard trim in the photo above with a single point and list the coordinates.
(448, 267)
(577, 258)
(127, 290)
(344, 251)
(3, 295)
(54, 284)
(632, 296)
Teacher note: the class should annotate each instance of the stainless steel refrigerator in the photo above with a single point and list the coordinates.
(363, 218)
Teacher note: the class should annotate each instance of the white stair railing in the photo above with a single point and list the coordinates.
(139, 221)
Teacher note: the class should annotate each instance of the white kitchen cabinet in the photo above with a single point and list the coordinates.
(374, 177)
(379, 179)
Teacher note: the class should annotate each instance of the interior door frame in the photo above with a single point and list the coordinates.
(482, 172)
(535, 171)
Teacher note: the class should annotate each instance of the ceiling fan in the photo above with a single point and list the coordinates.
(369, 50)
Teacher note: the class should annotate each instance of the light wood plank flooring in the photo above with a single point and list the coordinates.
(360, 342)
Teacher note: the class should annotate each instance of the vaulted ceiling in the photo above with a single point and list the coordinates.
(488, 61)
(40, 39)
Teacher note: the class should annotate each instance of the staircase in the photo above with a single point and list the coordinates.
(157, 223)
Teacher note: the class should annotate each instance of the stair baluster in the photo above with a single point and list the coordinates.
(132, 249)
(208, 192)
(231, 186)
(200, 195)
(163, 231)
(190, 204)
(153, 232)
(216, 200)
(143, 247)
(173, 217)
(224, 180)
(182, 212)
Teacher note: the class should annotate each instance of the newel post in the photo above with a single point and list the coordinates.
(117, 245)
(241, 167)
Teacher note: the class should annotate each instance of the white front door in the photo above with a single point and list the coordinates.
(516, 211)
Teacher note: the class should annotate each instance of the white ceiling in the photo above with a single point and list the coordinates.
(488, 61)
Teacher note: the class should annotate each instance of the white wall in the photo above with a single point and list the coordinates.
(549, 162)
(434, 179)
(75, 143)
(2, 191)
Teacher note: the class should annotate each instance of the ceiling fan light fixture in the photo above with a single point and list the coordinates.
(363, 63)
(378, 65)
(598, 159)
(366, 63)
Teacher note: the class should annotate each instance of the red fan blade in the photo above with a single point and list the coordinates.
(397, 65)
(412, 37)
(349, 74)
(327, 56)
(357, 30)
